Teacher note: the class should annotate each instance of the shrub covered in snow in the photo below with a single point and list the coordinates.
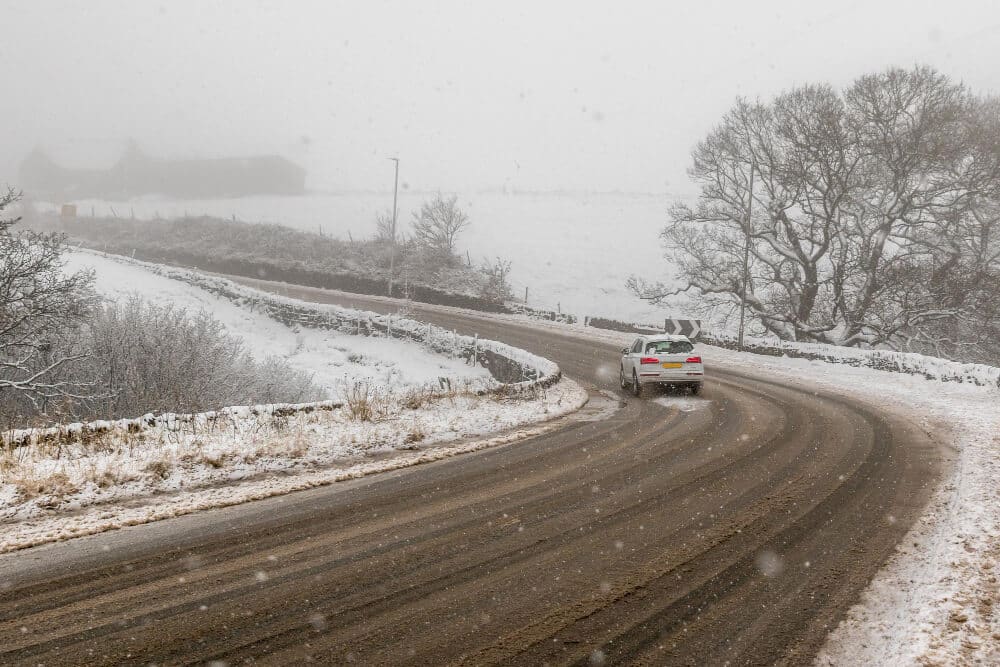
(135, 356)
(159, 357)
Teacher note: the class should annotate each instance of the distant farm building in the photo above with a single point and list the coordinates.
(136, 174)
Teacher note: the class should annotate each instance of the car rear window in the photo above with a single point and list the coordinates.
(670, 347)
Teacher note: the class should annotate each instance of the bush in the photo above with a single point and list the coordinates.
(155, 357)
(139, 357)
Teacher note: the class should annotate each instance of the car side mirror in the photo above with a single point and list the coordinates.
(624, 351)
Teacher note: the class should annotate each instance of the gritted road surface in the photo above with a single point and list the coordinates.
(738, 529)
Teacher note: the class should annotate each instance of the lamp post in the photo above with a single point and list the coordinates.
(746, 257)
(392, 246)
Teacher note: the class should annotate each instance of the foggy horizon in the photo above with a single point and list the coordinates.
(523, 98)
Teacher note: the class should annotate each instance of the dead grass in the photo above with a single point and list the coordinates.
(293, 445)
(30, 486)
(418, 397)
(160, 468)
(212, 459)
(107, 476)
(365, 403)
(415, 434)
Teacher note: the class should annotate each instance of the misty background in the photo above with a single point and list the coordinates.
(531, 96)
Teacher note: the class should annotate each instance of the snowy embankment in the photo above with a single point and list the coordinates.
(333, 359)
(402, 393)
(909, 363)
(937, 600)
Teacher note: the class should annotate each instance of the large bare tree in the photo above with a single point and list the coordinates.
(869, 208)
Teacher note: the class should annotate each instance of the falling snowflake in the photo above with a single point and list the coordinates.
(769, 563)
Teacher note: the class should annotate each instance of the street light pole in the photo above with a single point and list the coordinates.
(392, 248)
(746, 257)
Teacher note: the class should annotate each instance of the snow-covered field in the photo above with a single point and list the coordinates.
(573, 251)
(334, 359)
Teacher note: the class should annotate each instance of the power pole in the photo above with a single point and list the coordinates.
(746, 256)
(392, 248)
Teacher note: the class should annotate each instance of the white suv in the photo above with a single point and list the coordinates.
(661, 359)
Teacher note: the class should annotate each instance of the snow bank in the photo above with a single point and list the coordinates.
(517, 369)
(334, 359)
(81, 432)
(176, 466)
(513, 370)
(931, 368)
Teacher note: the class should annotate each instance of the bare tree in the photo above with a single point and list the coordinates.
(383, 227)
(866, 206)
(437, 226)
(497, 286)
(39, 305)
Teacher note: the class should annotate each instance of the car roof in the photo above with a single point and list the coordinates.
(666, 337)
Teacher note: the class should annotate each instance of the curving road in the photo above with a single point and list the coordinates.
(737, 530)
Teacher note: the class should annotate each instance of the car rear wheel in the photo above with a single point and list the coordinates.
(696, 389)
(636, 386)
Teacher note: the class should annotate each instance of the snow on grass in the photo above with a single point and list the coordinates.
(566, 248)
(932, 368)
(334, 359)
(52, 493)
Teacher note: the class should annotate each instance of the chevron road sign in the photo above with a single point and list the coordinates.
(689, 328)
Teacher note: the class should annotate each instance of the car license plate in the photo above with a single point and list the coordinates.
(672, 365)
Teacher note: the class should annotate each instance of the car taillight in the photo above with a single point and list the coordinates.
(694, 360)
(649, 360)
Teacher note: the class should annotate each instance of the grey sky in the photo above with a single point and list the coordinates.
(536, 95)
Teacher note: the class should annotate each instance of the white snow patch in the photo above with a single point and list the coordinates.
(683, 403)
(333, 358)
